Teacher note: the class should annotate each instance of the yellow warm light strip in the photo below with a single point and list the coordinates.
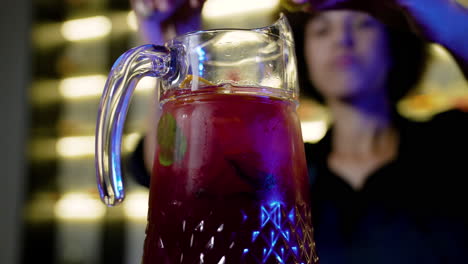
(86, 28)
(92, 86)
(313, 131)
(132, 21)
(79, 206)
(136, 205)
(76, 147)
(83, 86)
(440, 52)
(226, 8)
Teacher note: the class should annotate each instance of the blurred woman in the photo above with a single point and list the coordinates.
(384, 189)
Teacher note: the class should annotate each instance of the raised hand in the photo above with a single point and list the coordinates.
(166, 7)
(441, 21)
(436, 20)
(160, 20)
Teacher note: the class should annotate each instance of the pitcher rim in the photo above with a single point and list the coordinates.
(260, 30)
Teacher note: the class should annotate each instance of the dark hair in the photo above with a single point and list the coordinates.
(409, 54)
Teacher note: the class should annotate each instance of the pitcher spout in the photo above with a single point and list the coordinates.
(280, 28)
(282, 31)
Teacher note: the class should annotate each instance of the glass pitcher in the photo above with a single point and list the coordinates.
(229, 181)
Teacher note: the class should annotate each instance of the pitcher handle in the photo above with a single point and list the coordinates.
(129, 68)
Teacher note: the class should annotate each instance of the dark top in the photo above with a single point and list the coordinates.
(412, 210)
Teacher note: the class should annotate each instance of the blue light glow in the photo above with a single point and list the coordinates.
(255, 235)
(201, 53)
(201, 59)
(244, 216)
(291, 215)
(264, 217)
(294, 249)
(273, 213)
(116, 141)
(274, 237)
(274, 204)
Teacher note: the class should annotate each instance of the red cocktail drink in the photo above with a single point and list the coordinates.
(229, 183)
